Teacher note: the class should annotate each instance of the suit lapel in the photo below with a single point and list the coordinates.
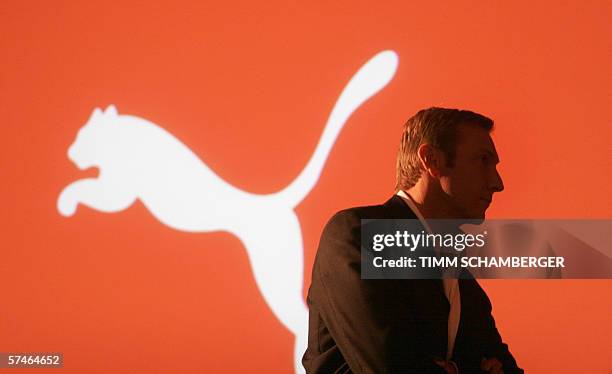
(398, 209)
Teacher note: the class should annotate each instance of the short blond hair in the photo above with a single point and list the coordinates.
(438, 127)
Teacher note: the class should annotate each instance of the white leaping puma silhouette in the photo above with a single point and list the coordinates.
(140, 160)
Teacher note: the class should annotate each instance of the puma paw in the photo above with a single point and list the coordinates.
(67, 203)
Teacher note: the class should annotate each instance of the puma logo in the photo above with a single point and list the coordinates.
(138, 159)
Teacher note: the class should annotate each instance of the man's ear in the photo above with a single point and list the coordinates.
(432, 159)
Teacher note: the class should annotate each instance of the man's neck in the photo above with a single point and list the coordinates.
(431, 206)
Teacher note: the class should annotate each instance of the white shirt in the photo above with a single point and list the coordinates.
(451, 286)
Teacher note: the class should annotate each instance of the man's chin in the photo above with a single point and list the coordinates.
(476, 218)
(479, 220)
(481, 217)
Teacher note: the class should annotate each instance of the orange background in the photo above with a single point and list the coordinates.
(248, 87)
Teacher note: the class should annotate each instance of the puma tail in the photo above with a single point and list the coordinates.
(371, 78)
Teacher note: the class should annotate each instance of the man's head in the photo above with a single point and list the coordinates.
(450, 153)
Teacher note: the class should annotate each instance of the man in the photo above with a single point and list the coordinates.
(446, 168)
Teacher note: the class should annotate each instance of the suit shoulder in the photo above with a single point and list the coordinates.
(339, 244)
(352, 217)
(394, 208)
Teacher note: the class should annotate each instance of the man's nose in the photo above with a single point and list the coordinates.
(497, 184)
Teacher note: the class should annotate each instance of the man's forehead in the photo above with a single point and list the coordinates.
(475, 138)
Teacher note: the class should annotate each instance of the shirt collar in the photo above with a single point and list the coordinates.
(412, 205)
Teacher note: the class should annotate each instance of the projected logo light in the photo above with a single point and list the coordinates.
(138, 159)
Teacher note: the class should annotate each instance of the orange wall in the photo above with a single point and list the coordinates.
(248, 87)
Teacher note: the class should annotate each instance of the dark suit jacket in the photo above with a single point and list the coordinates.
(390, 325)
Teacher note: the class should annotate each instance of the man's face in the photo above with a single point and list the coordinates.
(469, 185)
